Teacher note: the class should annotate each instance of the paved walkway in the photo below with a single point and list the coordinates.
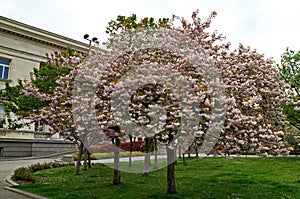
(7, 167)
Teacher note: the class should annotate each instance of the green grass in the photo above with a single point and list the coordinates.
(258, 178)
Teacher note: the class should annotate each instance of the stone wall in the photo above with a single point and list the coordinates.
(28, 148)
(25, 134)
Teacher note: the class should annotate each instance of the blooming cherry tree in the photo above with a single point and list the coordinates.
(173, 82)
(56, 97)
(254, 119)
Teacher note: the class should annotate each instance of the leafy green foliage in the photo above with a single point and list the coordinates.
(290, 73)
(290, 69)
(123, 23)
(27, 173)
(292, 115)
(46, 76)
(16, 101)
(24, 174)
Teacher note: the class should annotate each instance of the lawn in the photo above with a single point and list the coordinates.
(248, 178)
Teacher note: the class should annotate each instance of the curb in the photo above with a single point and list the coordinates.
(18, 191)
(24, 193)
(13, 183)
(10, 181)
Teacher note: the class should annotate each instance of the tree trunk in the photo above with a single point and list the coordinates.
(130, 149)
(155, 165)
(85, 159)
(179, 151)
(117, 177)
(175, 154)
(78, 162)
(147, 158)
(197, 154)
(183, 157)
(171, 188)
(89, 159)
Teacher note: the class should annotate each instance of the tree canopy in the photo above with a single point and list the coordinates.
(179, 71)
(290, 73)
(18, 100)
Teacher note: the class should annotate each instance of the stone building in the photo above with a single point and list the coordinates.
(22, 48)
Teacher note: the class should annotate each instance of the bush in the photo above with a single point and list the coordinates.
(295, 152)
(40, 166)
(24, 174)
(27, 173)
(75, 157)
(57, 164)
(249, 153)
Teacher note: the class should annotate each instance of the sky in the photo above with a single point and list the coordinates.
(270, 26)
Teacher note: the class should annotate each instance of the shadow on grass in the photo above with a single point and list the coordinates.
(208, 178)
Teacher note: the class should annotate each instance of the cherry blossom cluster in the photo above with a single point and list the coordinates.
(142, 71)
(180, 81)
(58, 111)
(254, 119)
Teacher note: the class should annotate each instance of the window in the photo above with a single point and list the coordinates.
(4, 68)
(2, 113)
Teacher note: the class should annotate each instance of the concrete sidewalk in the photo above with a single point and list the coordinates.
(6, 170)
(7, 167)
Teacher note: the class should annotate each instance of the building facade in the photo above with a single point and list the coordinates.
(22, 48)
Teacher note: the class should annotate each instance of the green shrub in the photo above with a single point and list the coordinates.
(40, 166)
(25, 174)
(56, 165)
(104, 155)
(249, 153)
(75, 157)
(134, 153)
(49, 165)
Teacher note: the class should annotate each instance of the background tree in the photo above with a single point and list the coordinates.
(290, 73)
(123, 23)
(290, 69)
